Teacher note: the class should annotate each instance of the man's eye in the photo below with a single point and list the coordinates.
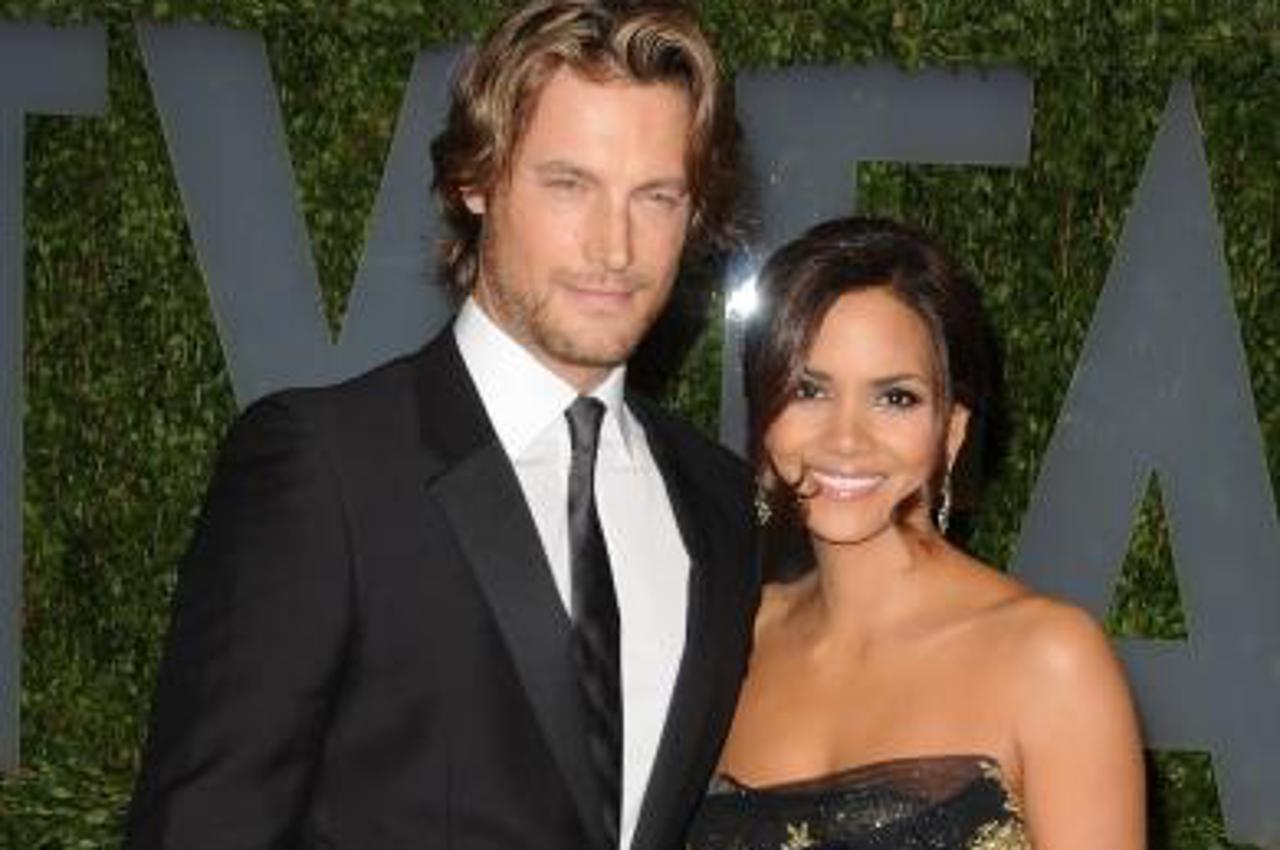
(564, 184)
(899, 398)
(669, 200)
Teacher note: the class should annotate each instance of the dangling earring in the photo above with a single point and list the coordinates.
(763, 512)
(943, 516)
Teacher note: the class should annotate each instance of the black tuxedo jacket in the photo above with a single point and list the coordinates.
(368, 650)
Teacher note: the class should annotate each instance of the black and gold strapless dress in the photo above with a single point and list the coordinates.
(948, 802)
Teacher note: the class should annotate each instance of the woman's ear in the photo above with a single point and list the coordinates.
(957, 430)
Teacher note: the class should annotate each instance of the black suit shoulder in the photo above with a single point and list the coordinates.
(692, 443)
(266, 610)
(378, 403)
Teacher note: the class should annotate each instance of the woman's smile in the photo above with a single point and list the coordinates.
(843, 487)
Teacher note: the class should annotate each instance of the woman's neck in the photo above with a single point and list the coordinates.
(860, 589)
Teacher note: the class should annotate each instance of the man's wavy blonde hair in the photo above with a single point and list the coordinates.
(495, 94)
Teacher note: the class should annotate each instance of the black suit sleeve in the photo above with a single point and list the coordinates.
(260, 622)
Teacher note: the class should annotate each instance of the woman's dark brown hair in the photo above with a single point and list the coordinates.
(494, 97)
(803, 279)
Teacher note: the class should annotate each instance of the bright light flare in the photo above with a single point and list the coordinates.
(743, 301)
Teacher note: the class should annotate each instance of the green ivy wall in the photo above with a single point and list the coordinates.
(127, 395)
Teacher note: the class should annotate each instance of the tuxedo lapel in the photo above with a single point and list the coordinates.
(720, 586)
(476, 489)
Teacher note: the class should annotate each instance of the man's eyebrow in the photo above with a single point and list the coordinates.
(670, 184)
(564, 168)
(561, 168)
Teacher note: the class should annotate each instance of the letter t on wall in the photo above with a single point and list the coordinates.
(807, 128)
(48, 71)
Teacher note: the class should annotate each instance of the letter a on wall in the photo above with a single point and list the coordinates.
(1163, 387)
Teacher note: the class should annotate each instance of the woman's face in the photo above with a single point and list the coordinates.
(862, 432)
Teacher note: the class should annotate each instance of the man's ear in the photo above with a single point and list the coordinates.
(957, 430)
(474, 199)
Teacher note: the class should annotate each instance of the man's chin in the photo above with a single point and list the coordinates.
(599, 353)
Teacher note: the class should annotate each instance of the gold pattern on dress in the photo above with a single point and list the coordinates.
(1012, 802)
(798, 838)
(998, 835)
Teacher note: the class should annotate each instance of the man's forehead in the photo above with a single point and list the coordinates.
(577, 120)
(593, 81)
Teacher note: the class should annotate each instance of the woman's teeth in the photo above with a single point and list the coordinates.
(845, 486)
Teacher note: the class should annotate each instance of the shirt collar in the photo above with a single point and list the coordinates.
(521, 396)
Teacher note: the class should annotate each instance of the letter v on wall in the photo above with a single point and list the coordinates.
(222, 124)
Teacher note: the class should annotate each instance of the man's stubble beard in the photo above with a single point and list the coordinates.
(526, 317)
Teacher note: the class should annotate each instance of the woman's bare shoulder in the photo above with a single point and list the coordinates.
(1042, 637)
(1075, 727)
(1053, 658)
(1057, 638)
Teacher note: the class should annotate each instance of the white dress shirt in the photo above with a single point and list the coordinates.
(526, 403)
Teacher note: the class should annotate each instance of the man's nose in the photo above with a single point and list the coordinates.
(611, 241)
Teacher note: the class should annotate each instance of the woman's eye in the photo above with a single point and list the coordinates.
(808, 389)
(899, 398)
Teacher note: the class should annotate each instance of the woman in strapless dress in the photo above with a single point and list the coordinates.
(901, 694)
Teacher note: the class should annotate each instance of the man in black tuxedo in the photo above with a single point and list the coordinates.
(412, 615)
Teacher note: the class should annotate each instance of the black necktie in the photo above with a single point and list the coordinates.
(595, 614)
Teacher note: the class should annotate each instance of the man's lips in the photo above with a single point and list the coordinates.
(834, 485)
(603, 300)
(601, 292)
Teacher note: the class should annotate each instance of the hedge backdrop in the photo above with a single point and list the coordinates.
(127, 395)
